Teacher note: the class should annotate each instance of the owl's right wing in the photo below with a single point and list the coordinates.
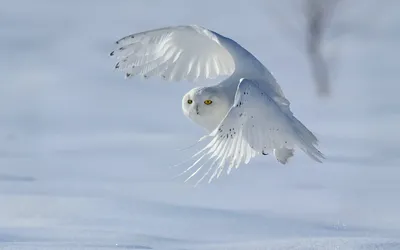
(190, 53)
(256, 123)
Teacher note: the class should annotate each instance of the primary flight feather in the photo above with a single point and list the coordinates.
(245, 115)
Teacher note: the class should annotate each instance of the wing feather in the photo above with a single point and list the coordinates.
(197, 54)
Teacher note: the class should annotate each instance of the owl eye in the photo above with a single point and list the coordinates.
(189, 101)
(207, 102)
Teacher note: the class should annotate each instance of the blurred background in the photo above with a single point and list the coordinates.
(85, 155)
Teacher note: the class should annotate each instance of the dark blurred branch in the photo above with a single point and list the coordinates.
(317, 24)
(317, 14)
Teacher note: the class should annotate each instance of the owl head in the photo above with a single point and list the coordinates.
(206, 106)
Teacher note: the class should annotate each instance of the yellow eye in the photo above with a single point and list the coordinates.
(190, 101)
(207, 102)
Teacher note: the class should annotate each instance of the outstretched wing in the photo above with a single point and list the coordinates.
(174, 53)
(255, 124)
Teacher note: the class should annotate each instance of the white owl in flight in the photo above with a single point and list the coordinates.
(245, 115)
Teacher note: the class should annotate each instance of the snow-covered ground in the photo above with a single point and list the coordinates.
(85, 155)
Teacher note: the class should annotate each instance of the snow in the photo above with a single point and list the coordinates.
(86, 156)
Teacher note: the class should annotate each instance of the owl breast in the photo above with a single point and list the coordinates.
(210, 117)
(210, 120)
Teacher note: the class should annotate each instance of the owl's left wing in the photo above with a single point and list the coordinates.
(256, 123)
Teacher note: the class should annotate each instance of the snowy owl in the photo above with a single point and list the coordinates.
(245, 115)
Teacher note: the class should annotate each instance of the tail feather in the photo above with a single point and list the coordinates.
(283, 154)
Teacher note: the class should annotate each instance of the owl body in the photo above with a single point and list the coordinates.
(208, 106)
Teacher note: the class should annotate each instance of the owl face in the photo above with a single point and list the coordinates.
(205, 106)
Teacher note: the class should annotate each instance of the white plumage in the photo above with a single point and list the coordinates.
(245, 115)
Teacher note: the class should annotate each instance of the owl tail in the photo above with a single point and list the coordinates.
(283, 154)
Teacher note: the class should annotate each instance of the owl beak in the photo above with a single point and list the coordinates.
(197, 109)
